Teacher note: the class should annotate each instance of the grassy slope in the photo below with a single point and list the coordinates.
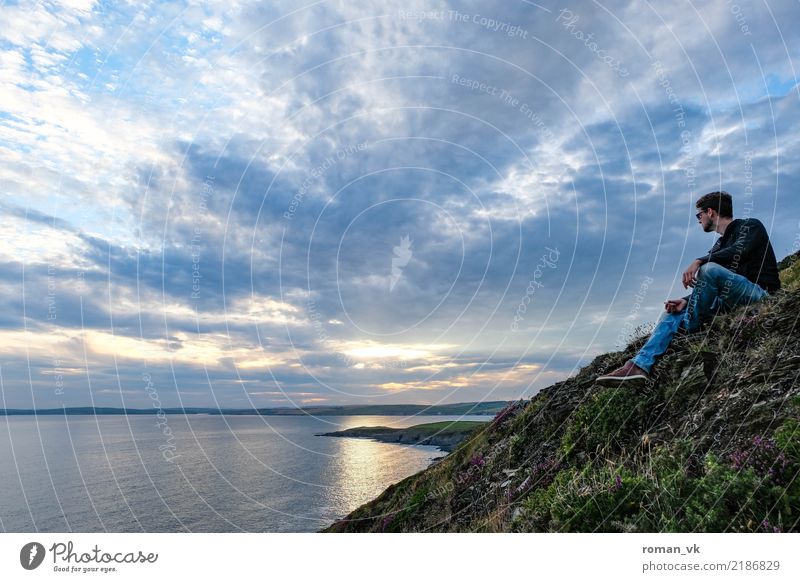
(713, 445)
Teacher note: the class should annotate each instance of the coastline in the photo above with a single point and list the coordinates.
(445, 435)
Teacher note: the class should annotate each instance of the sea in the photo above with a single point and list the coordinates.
(195, 473)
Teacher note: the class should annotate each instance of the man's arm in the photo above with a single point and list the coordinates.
(715, 249)
(690, 274)
(752, 236)
(676, 305)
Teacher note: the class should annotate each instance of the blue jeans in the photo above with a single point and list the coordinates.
(717, 290)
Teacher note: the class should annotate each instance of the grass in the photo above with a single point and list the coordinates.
(755, 489)
(445, 426)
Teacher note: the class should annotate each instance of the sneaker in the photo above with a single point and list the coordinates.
(627, 373)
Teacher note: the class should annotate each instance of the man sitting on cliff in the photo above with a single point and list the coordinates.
(739, 269)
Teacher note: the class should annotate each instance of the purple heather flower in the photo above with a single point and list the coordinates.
(763, 457)
(386, 521)
(477, 460)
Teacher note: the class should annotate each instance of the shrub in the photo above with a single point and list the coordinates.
(604, 422)
(755, 489)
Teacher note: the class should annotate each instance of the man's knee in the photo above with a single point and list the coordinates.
(711, 270)
(671, 317)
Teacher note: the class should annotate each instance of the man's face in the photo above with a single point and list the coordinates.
(706, 220)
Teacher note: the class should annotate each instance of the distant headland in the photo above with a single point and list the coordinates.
(462, 408)
(445, 435)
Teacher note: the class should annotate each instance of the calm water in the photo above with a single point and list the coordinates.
(232, 473)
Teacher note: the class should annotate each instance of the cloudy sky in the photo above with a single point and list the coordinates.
(262, 204)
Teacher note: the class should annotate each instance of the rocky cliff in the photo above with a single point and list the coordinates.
(710, 444)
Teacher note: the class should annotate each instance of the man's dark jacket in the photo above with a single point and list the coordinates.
(745, 249)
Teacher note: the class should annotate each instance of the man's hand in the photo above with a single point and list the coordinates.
(675, 305)
(690, 274)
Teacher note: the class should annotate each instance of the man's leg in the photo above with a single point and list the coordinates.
(718, 286)
(665, 331)
(659, 340)
(638, 368)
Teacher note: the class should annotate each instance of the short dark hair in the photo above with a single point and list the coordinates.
(719, 201)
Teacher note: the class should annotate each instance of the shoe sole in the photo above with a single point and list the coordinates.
(614, 380)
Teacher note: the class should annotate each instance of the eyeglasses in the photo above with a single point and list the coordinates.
(697, 216)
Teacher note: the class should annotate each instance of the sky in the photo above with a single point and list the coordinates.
(253, 204)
